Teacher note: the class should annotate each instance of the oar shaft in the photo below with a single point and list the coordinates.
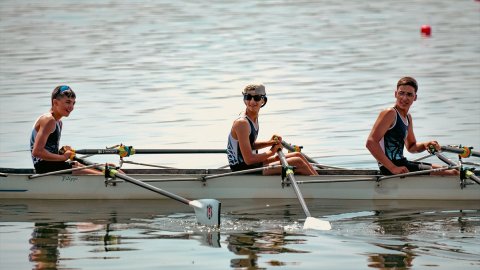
(151, 151)
(290, 148)
(445, 159)
(472, 176)
(459, 150)
(139, 183)
(293, 182)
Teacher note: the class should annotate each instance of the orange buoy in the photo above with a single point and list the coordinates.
(426, 30)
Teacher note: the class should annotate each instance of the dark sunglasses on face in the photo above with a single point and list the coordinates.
(255, 97)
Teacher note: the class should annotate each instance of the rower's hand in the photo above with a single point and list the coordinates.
(67, 151)
(276, 139)
(69, 154)
(399, 170)
(432, 144)
(64, 149)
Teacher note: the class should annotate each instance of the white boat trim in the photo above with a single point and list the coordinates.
(191, 183)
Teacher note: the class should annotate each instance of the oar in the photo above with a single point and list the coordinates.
(468, 174)
(290, 148)
(207, 211)
(127, 151)
(462, 151)
(310, 222)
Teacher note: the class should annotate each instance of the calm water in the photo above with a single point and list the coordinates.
(259, 234)
(162, 74)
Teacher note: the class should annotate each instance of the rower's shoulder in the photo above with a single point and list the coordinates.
(241, 121)
(46, 120)
(388, 112)
(389, 109)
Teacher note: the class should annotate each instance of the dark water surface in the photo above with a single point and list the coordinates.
(166, 74)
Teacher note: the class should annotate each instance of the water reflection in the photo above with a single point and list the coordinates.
(407, 227)
(105, 242)
(47, 239)
(385, 235)
(252, 244)
(403, 259)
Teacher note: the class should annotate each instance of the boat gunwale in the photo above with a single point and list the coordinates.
(169, 171)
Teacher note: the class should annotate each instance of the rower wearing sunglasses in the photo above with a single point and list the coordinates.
(242, 149)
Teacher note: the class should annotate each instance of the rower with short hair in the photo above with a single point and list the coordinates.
(46, 133)
(393, 130)
(242, 148)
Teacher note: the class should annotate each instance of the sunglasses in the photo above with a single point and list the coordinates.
(255, 97)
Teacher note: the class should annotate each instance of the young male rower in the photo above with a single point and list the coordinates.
(45, 138)
(393, 131)
(242, 140)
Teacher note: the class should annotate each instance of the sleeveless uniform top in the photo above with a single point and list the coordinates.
(234, 154)
(393, 141)
(52, 143)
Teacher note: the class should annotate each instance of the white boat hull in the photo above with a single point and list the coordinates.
(343, 184)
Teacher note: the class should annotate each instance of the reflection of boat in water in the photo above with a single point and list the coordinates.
(281, 210)
(100, 211)
(251, 229)
(103, 225)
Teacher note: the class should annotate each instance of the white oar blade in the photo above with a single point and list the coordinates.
(207, 211)
(316, 224)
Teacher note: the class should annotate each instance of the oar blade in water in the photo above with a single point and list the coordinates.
(207, 211)
(312, 223)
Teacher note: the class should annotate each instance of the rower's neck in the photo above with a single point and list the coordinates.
(252, 115)
(402, 112)
(57, 116)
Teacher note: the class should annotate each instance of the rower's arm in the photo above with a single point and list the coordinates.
(276, 139)
(381, 126)
(411, 142)
(46, 126)
(241, 129)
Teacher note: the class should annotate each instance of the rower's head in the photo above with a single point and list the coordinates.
(62, 91)
(255, 92)
(63, 100)
(409, 81)
(407, 87)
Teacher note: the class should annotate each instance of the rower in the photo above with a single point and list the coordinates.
(393, 131)
(243, 146)
(46, 132)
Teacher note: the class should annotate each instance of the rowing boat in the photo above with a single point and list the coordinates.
(222, 184)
